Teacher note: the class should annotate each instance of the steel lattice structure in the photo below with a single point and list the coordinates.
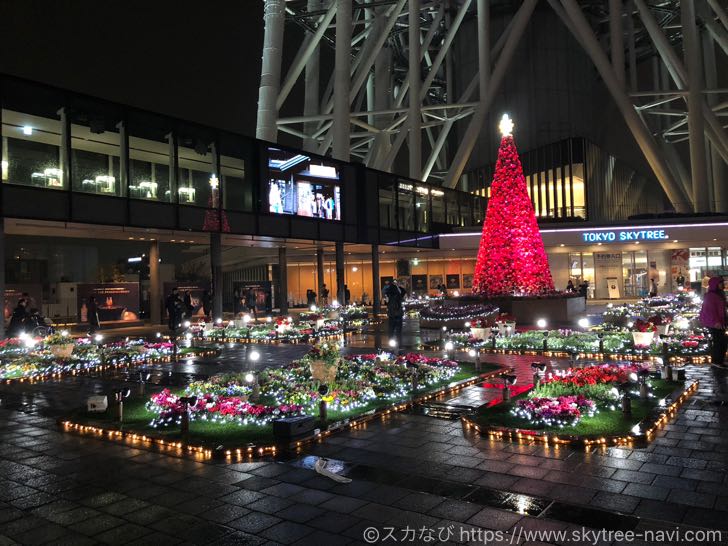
(393, 74)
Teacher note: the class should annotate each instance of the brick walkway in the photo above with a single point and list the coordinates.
(411, 471)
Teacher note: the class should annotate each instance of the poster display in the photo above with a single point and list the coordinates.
(453, 281)
(116, 302)
(435, 281)
(680, 266)
(13, 292)
(419, 284)
(263, 291)
(303, 186)
(468, 280)
(197, 294)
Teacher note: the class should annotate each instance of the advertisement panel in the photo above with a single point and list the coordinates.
(115, 301)
(196, 291)
(13, 292)
(303, 186)
(263, 291)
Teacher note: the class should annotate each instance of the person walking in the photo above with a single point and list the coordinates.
(713, 317)
(92, 316)
(395, 295)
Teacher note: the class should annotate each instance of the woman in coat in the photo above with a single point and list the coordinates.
(712, 316)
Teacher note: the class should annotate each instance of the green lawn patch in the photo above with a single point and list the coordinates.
(604, 423)
(137, 418)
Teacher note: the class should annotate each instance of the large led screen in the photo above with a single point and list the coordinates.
(302, 185)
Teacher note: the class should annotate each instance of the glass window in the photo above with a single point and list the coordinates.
(237, 188)
(196, 173)
(479, 211)
(406, 205)
(453, 213)
(31, 150)
(95, 157)
(149, 166)
(422, 208)
(387, 205)
(438, 206)
(466, 210)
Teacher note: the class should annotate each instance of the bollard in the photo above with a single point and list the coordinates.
(626, 405)
(186, 401)
(643, 391)
(323, 411)
(506, 393)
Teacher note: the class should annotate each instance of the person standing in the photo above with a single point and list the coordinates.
(680, 280)
(18, 319)
(395, 295)
(188, 305)
(653, 288)
(713, 317)
(174, 307)
(324, 296)
(705, 285)
(92, 315)
(347, 295)
(207, 303)
(250, 302)
(570, 286)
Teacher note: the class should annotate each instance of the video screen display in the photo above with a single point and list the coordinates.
(302, 185)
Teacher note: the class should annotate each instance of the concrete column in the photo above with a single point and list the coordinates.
(270, 72)
(155, 286)
(342, 82)
(340, 272)
(320, 271)
(311, 88)
(696, 127)
(283, 280)
(414, 119)
(216, 270)
(376, 295)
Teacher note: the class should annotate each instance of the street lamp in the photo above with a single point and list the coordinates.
(508, 381)
(538, 370)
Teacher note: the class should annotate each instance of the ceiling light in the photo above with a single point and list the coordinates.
(27, 130)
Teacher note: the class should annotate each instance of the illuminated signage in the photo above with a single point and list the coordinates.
(624, 236)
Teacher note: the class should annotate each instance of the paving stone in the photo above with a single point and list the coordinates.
(692, 498)
(633, 476)
(269, 505)
(254, 522)
(242, 497)
(646, 491)
(492, 518)
(617, 503)
(286, 532)
(148, 514)
(345, 505)
(300, 513)
(123, 534)
(659, 510)
(99, 524)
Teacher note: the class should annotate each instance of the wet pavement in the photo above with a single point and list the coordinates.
(408, 472)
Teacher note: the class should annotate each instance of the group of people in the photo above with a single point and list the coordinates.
(583, 288)
(180, 307)
(245, 299)
(713, 317)
(24, 319)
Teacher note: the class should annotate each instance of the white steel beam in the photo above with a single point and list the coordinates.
(414, 117)
(270, 72)
(342, 80)
(635, 123)
(520, 20)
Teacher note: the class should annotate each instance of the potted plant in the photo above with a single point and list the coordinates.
(662, 323)
(506, 324)
(324, 362)
(480, 328)
(643, 333)
(60, 345)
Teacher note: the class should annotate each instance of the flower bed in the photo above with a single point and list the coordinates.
(680, 344)
(581, 401)
(32, 359)
(231, 410)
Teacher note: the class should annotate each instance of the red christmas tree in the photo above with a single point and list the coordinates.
(511, 257)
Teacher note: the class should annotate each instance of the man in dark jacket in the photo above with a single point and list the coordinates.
(18, 319)
(174, 310)
(395, 295)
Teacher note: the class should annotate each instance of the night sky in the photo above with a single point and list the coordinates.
(193, 60)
